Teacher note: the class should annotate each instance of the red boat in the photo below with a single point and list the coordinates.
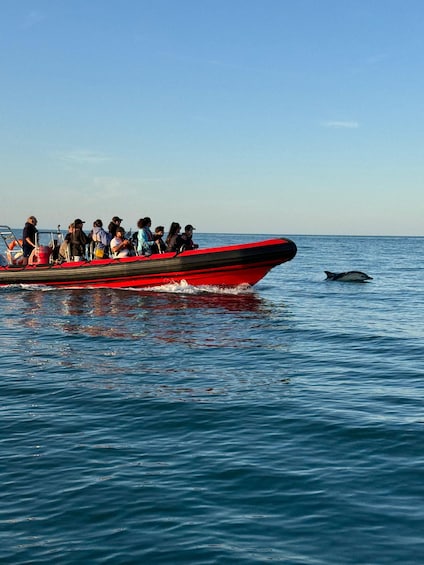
(227, 266)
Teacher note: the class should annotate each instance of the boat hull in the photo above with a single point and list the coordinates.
(224, 266)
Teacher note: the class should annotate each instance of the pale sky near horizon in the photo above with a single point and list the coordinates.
(244, 116)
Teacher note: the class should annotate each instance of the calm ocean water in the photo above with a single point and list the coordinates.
(283, 424)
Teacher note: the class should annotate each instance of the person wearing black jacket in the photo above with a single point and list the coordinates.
(159, 246)
(78, 241)
(185, 240)
(29, 238)
(114, 224)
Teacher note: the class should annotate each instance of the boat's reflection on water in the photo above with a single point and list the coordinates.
(136, 314)
(158, 344)
(104, 302)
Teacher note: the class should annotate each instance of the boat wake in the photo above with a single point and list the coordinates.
(20, 287)
(184, 288)
(175, 288)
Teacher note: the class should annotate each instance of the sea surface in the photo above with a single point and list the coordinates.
(282, 424)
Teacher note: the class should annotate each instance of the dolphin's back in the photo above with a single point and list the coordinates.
(348, 276)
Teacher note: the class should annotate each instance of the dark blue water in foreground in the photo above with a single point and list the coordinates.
(279, 425)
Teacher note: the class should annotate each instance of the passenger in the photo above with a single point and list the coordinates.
(101, 239)
(159, 245)
(78, 241)
(14, 243)
(65, 246)
(134, 240)
(120, 246)
(29, 238)
(185, 240)
(15, 256)
(171, 239)
(145, 237)
(114, 224)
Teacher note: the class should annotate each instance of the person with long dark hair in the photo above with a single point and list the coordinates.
(171, 238)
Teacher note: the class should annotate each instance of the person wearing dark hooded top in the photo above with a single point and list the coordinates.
(159, 246)
(185, 240)
(29, 238)
(78, 241)
(114, 224)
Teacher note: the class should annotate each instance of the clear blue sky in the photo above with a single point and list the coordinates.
(256, 116)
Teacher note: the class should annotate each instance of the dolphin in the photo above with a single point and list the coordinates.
(348, 276)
